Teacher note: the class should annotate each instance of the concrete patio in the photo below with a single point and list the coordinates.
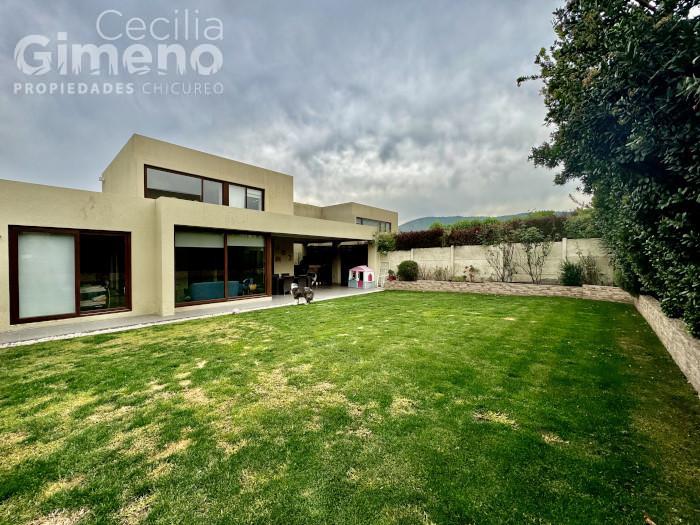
(36, 334)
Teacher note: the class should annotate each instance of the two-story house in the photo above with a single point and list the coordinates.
(171, 228)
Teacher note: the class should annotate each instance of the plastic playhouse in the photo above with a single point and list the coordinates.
(361, 277)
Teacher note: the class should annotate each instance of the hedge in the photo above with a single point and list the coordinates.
(485, 232)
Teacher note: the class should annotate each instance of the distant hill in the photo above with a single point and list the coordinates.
(425, 222)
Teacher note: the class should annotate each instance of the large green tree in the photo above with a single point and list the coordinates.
(623, 98)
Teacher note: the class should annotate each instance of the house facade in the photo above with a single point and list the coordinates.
(172, 228)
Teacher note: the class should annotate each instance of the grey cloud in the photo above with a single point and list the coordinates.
(410, 105)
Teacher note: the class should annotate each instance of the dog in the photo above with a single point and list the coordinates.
(307, 293)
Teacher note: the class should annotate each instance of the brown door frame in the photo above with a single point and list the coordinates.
(14, 232)
(267, 262)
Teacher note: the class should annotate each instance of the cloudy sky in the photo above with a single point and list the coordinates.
(410, 105)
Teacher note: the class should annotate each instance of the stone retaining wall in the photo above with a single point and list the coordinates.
(683, 347)
(600, 293)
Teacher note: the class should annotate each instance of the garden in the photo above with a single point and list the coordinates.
(395, 407)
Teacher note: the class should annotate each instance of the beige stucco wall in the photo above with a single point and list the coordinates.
(308, 210)
(37, 205)
(125, 174)
(175, 212)
(457, 258)
(349, 211)
(283, 255)
(121, 206)
(152, 226)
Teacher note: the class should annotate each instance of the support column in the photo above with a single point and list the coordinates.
(337, 267)
(373, 257)
(165, 234)
(564, 254)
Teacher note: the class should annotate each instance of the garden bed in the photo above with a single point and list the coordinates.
(599, 293)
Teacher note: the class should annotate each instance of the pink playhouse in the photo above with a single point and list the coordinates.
(361, 277)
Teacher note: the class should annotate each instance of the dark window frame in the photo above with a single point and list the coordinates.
(267, 269)
(379, 224)
(224, 186)
(16, 230)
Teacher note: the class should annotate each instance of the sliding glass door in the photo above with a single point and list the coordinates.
(46, 274)
(59, 273)
(217, 266)
(199, 266)
(103, 284)
(246, 264)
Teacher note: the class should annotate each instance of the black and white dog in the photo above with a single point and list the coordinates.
(307, 293)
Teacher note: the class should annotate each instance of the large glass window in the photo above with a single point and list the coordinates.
(236, 196)
(45, 274)
(161, 183)
(67, 273)
(199, 266)
(164, 183)
(382, 226)
(103, 282)
(212, 192)
(246, 264)
(243, 197)
(254, 199)
(214, 266)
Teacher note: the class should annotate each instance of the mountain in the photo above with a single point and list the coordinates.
(425, 222)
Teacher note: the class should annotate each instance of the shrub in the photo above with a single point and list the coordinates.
(536, 248)
(581, 224)
(421, 239)
(437, 273)
(571, 273)
(385, 242)
(591, 273)
(468, 224)
(407, 271)
(501, 256)
(471, 273)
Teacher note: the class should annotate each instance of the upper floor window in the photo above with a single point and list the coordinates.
(244, 197)
(166, 183)
(382, 226)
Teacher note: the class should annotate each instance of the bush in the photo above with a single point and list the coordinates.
(536, 247)
(385, 242)
(467, 224)
(591, 273)
(408, 271)
(571, 273)
(437, 273)
(581, 225)
(421, 239)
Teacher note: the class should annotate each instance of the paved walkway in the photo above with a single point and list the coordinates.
(36, 334)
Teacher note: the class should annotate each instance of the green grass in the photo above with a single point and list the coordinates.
(385, 408)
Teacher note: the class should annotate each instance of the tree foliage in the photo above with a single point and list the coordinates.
(623, 97)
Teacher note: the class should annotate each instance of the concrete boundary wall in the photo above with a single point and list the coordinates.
(456, 258)
(683, 347)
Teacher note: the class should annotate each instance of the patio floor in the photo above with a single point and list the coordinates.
(35, 334)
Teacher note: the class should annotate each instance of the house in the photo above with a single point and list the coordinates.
(172, 228)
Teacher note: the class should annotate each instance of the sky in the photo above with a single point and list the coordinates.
(407, 105)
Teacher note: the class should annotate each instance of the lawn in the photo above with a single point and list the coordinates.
(396, 407)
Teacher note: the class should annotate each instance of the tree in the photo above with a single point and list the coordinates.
(535, 249)
(623, 98)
